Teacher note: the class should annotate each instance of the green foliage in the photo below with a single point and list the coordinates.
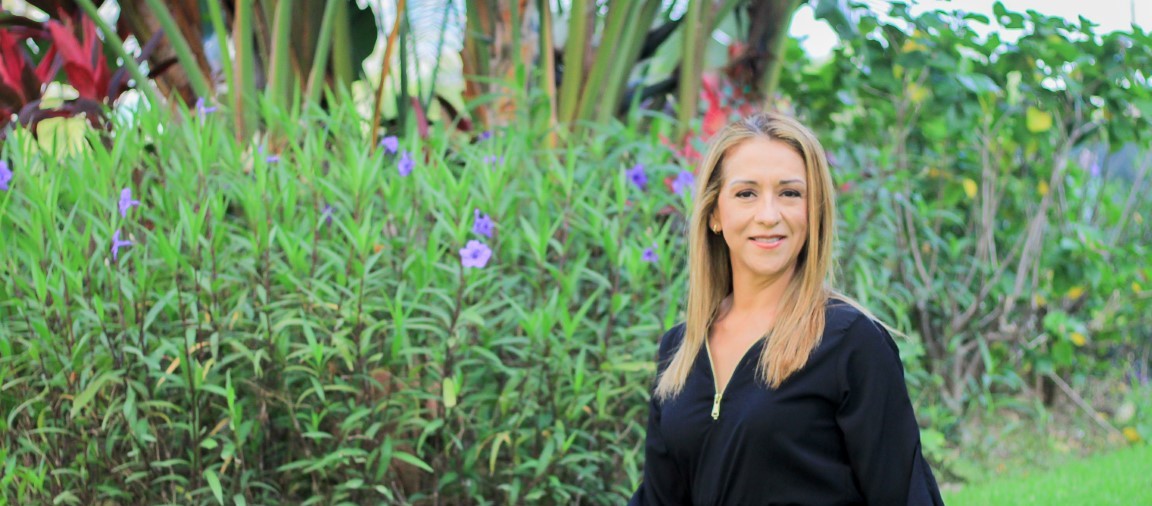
(990, 192)
(1120, 478)
(242, 346)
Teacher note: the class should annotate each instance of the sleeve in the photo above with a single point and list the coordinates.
(662, 482)
(876, 419)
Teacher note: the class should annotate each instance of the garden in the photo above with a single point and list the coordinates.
(422, 252)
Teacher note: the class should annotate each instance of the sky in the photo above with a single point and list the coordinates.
(818, 39)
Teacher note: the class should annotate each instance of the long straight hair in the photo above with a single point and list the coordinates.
(800, 321)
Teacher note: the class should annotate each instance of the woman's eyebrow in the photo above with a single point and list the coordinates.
(736, 182)
(782, 182)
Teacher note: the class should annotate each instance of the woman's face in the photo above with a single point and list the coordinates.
(762, 209)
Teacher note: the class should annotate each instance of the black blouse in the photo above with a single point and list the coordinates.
(840, 431)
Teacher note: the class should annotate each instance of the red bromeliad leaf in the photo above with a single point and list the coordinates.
(421, 118)
(717, 115)
(84, 62)
(95, 48)
(12, 69)
(714, 120)
(48, 67)
(79, 69)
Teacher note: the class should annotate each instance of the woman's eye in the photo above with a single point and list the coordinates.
(744, 194)
(791, 193)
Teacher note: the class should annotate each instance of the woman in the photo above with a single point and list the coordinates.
(777, 389)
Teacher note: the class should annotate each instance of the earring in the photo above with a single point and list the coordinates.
(715, 230)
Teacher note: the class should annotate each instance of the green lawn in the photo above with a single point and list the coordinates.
(1123, 478)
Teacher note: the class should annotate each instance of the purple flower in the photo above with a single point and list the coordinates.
(485, 135)
(5, 175)
(390, 144)
(483, 224)
(270, 158)
(683, 182)
(406, 163)
(203, 110)
(126, 202)
(117, 244)
(650, 254)
(636, 176)
(327, 214)
(475, 254)
(1094, 170)
(490, 159)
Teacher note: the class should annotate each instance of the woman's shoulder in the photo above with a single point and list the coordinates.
(839, 315)
(671, 339)
(844, 321)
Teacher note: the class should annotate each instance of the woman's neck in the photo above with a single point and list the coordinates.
(756, 300)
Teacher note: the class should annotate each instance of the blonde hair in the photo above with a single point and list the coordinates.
(799, 323)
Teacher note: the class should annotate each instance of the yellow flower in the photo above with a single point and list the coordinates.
(1075, 292)
(1042, 188)
(970, 188)
(1078, 339)
(1132, 434)
(1136, 287)
(1039, 300)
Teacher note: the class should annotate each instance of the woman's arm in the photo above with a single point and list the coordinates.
(879, 426)
(662, 482)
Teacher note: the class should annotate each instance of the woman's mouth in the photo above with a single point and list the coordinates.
(767, 242)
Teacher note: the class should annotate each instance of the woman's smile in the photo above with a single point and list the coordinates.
(767, 242)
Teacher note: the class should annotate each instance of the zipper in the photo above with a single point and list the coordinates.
(715, 383)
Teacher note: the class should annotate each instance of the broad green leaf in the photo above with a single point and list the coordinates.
(84, 397)
(1038, 121)
(970, 188)
(450, 390)
(214, 484)
(411, 459)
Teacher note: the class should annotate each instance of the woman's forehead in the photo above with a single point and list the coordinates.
(761, 159)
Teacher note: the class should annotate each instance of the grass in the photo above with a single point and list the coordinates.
(1120, 478)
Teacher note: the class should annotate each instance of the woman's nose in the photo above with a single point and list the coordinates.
(768, 211)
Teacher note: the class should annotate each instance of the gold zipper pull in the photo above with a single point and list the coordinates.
(716, 407)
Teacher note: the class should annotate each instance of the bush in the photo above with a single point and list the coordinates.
(294, 322)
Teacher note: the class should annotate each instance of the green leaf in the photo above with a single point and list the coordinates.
(214, 484)
(412, 459)
(1145, 108)
(450, 390)
(1038, 121)
(91, 390)
(1062, 353)
(978, 83)
(838, 14)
